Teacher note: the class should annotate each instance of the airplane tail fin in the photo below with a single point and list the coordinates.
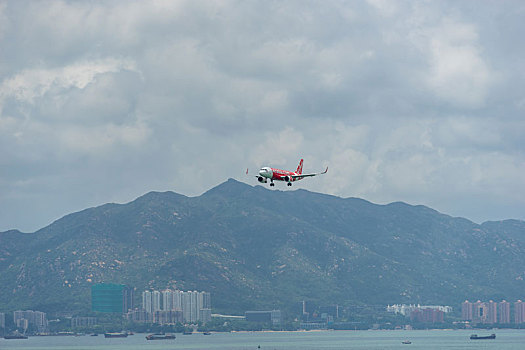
(300, 168)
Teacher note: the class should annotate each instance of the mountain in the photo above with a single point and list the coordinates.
(255, 248)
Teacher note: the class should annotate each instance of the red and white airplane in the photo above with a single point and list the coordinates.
(267, 173)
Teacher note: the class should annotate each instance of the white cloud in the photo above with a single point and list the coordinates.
(458, 72)
(30, 84)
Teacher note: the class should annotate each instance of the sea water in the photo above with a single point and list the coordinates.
(312, 340)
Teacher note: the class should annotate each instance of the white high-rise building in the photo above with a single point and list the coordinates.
(194, 306)
(194, 314)
(177, 299)
(186, 306)
(146, 301)
(155, 301)
(167, 300)
(24, 319)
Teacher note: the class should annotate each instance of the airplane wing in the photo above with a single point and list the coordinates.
(307, 175)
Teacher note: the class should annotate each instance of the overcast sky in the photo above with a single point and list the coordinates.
(414, 101)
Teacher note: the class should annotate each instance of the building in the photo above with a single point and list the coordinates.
(2, 320)
(147, 304)
(167, 300)
(139, 316)
(466, 311)
(309, 308)
(492, 312)
(332, 310)
(313, 325)
(205, 315)
(479, 312)
(273, 316)
(167, 317)
(152, 301)
(156, 301)
(504, 312)
(28, 318)
(128, 295)
(519, 312)
(406, 310)
(427, 315)
(194, 306)
(188, 307)
(77, 322)
(22, 323)
(108, 297)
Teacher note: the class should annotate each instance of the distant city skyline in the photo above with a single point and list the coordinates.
(37, 319)
(490, 312)
(158, 306)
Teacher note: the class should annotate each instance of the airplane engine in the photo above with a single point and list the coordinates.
(286, 178)
(262, 179)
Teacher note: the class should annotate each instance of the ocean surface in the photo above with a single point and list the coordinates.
(326, 340)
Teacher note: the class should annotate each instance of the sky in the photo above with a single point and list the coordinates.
(414, 101)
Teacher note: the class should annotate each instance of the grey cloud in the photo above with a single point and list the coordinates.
(414, 101)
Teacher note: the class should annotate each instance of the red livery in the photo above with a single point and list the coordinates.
(267, 173)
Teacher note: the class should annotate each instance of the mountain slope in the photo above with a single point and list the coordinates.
(257, 248)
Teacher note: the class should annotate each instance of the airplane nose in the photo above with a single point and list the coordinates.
(264, 172)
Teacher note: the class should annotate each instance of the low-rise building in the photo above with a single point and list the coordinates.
(273, 316)
(77, 322)
(25, 319)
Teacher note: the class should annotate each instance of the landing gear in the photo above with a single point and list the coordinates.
(272, 184)
(289, 184)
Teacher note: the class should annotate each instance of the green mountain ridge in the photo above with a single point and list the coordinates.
(255, 248)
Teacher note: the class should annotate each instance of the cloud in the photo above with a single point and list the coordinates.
(458, 74)
(30, 84)
(75, 108)
(413, 101)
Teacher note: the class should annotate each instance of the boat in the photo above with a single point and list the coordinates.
(476, 337)
(206, 333)
(160, 336)
(94, 335)
(15, 335)
(406, 342)
(116, 335)
(65, 334)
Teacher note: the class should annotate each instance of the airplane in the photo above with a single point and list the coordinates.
(267, 173)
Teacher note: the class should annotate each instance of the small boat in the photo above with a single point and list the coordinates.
(206, 333)
(476, 337)
(65, 334)
(116, 335)
(94, 335)
(406, 342)
(15, 335)
(160, 336)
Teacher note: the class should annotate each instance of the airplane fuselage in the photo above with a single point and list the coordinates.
(273, 174)
(268, 173)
